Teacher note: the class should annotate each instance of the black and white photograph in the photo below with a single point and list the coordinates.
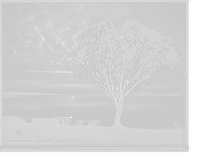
(94, 76)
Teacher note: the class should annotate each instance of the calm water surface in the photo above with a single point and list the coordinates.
(138, 111)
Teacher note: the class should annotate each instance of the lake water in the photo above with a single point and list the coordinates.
(150, 112)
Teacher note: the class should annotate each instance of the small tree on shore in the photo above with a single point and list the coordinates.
(118, 58)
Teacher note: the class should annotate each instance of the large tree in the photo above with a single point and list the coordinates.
(118, 57)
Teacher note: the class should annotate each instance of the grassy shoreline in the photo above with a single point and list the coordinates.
(16, 133)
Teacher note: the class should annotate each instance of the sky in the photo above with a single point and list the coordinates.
(39, 39)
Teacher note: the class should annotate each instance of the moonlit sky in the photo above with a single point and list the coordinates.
(39, 39)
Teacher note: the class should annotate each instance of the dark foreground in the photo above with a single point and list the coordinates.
(30, 135)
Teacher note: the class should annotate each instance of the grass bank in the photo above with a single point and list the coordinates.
(90, 135)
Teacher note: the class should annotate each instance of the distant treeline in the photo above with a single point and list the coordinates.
(16, 121)
(19, 93)
(8, 120)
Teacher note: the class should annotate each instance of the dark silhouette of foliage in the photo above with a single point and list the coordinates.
(79, 122)
(93, 122)
(184, 75)
(8, 120)
(120, 57)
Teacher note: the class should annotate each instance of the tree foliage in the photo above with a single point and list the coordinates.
(120, 57)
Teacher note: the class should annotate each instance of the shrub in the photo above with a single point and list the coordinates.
(93, 122)
(65, 121)
(79, 122)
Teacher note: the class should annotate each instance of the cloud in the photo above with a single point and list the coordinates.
(38, 40)
(38, 37)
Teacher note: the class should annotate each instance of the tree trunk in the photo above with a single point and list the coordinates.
(119, 105)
